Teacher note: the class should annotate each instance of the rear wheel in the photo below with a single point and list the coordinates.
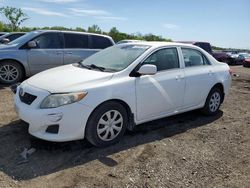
(107, 124)
(213, 102)
(10, 72)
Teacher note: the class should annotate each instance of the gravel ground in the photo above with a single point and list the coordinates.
(187, 150)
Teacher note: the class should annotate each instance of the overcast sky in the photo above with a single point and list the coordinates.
(224, 23)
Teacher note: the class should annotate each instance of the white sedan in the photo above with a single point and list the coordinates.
(119, 88)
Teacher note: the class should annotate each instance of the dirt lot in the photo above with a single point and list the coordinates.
(188, 150)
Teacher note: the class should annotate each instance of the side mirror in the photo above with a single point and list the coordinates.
(147, 70)
(5, 41)
(32, 44)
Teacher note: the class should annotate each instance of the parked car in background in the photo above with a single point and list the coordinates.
(2, 33)
(118, 88)
(242, 56)
(237, 57)
(219, 56)
(128, 41)
(40, 50)
(4, 39)
(245, 58)
(233, 54)
(246, 63)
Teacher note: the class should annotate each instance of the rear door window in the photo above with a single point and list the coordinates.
(99, 42)
(73, 40)
(194, 58)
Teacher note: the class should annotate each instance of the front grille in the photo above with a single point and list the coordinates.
(27, 98)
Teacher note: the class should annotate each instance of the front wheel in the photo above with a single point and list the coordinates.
(213, 102)
(10, 72)
(107, 124)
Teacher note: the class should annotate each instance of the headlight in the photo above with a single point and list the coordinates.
(56, 100)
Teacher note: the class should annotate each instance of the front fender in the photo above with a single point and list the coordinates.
(19, 56)
(119, 89)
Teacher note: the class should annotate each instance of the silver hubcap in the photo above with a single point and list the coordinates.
(109, 125)
(214, 102)
(8, 73)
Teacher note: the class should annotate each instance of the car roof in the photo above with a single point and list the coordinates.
(76, 32)
(161, 44)
(130, 40)
(192, 42)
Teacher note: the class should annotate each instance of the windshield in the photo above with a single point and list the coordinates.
(24, 38)
(116, 58)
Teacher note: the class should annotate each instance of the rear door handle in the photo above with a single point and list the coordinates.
(69, 53)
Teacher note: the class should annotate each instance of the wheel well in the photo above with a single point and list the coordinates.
(131, 123)
(220, 86)
(15, 61)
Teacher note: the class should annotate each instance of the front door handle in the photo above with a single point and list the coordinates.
(69, 53)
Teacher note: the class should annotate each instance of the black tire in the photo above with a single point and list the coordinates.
(93, 125)
(246, 66)
(208, 109)
(18, 72)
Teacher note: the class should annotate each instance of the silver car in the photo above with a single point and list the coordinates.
(4, 39)
(44, 49)
(3, 33)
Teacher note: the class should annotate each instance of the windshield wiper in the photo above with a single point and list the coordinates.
(92, 66)
(84, 66)
(96, 67)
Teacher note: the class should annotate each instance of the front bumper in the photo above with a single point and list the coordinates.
(71, 119)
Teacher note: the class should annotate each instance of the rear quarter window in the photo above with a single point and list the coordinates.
(99, 42)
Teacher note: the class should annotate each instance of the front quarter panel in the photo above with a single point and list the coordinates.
(16, 55)
(115, 89)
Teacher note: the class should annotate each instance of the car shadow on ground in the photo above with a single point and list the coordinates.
(53, 157)
(3, 86)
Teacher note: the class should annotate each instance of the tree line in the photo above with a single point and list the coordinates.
(15, 17)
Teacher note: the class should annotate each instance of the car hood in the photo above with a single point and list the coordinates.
(7, 47)
(68, 78)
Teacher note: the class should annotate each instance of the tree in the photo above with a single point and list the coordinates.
(80, 29)
(94, 29)
(1, 26)
(15, 16)
(117, 35)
